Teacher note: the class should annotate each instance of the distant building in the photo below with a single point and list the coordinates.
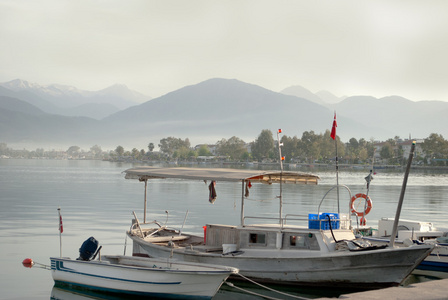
(405, 146)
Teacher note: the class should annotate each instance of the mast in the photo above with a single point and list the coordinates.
(144, 211)
(400, 201)
(369, 179)
(282, 158)
(242, 203)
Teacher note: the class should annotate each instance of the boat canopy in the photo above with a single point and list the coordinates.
(221, 174)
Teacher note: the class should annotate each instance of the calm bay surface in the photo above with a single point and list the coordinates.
(96, 200)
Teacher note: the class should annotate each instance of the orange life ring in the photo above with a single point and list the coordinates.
(368, 208)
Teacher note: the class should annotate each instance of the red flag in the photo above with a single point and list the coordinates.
(61, 228)
(333, 129)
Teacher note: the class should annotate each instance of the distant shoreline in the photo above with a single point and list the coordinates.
(261, 165)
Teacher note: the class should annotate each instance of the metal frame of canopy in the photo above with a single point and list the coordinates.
(220, 174)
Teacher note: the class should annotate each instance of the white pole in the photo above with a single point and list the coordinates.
(185, 219)
(280, 149)
(144, 210)
(337, 173)
(281, 173)
(242, 203)
(335, 138)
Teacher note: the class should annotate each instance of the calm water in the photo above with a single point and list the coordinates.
(96, 200)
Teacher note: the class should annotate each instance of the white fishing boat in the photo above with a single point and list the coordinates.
(278, 250)
(162, 278)
(411, 232)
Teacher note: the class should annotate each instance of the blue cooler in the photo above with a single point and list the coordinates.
(321, 221)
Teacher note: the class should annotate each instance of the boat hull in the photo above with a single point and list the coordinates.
(434, 265)
(144, 281)
(361, 270)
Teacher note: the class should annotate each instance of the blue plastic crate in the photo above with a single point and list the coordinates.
(313, 221)
(324, 224)
(321, 221)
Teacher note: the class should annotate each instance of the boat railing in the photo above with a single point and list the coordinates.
(332, 188)
(310, 221)
(283, 221)
(294, 217)
(277, 221)
(136, 227)
(315, 221)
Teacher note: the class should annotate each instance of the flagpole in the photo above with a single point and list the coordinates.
(333, 136)
(60, 232)
(337, 173)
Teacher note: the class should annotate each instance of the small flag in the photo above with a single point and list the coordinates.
(283, 158)
(279, 131)
(333, 129)
(61, 228)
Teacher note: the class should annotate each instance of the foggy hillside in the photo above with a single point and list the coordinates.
(214, 109)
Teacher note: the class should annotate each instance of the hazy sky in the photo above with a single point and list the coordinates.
(353, 47)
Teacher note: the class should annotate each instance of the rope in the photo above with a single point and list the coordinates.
(270, 289)
(41, 266)
(249, 292)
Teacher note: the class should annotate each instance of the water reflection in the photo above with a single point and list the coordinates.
(67, 293)
(237, 290)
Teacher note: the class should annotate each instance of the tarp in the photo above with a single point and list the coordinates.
(221, 174)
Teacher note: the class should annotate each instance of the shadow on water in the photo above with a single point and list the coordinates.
(68, 292)
(240, 291)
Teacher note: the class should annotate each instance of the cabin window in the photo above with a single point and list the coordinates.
(257, 238)
(298, 241)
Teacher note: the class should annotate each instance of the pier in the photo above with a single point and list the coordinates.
(429, 290)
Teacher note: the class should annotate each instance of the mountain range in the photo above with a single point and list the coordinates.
(70, 101)
(61, 116)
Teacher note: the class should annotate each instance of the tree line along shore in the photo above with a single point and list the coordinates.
(311, 148)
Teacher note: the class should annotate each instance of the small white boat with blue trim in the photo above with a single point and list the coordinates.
(163, 278)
